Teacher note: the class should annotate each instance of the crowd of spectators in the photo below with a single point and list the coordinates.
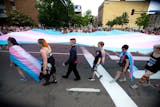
(87, 29)
(7, 29)
(155, 31)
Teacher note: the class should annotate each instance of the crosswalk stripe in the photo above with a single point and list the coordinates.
(138, 74)
(137, 58)
(84, 90)
(118, 95)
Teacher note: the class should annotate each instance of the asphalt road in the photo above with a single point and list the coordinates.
(16, 93)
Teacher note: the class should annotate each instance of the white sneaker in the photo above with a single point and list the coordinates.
(112, 81)
(91, 79)
(134, 86)
(100, 76)
(122, 79)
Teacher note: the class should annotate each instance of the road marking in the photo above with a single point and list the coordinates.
(137, 58)
(118, 95)
(138, 74)
(84, 90)
(56, 53)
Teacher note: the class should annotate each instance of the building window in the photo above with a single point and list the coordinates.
(12, 3)
(3, 12)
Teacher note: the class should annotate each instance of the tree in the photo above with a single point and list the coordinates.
(88, 13)
(125, 18)
(85, 21)
(143, 20)
(55, 13)
(119, 20)
(19, 19)
(89, 16)
(110, 23)
(77, 20)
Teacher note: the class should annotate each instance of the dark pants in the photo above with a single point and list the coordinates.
(73, 67)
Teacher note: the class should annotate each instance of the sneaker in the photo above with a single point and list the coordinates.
(135, 86)
(23, 79)
(64, 76)
(100, 76)
(54, 81)
(122, 79)
(112, 81)
(76, 79)
(91, 79)
(46, 83)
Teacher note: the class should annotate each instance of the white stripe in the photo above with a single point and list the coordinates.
(84, 90)
(138, 74)
(118, 95)
(141, 58)
(56, 53)
(27, 57)
(137, 58)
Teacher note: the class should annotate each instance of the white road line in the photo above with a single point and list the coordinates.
(118, 95)
(137, 58)
(84, 90)
(138, 74)
(56, 53)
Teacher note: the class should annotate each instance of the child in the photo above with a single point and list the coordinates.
(99, 58)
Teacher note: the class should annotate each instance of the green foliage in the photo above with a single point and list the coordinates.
(55, 13)
(143, 20)
(120, 20)
(125, 18)
(17, 18)
(78, 19)
(110, 23)
(85, 21)
(88, 15)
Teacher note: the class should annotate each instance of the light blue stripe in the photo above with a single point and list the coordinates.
(3, 42)
(97, 33)
(25, 68)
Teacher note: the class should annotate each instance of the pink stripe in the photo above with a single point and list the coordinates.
(23, 60)
(137, 40)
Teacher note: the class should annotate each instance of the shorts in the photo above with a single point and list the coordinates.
(153, 70)
(94, 68)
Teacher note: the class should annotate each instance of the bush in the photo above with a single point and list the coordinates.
(19, 19)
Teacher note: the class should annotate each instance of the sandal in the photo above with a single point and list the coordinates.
(157, 85)
(144, 79)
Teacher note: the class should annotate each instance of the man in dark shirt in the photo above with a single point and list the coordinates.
(72, 61)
